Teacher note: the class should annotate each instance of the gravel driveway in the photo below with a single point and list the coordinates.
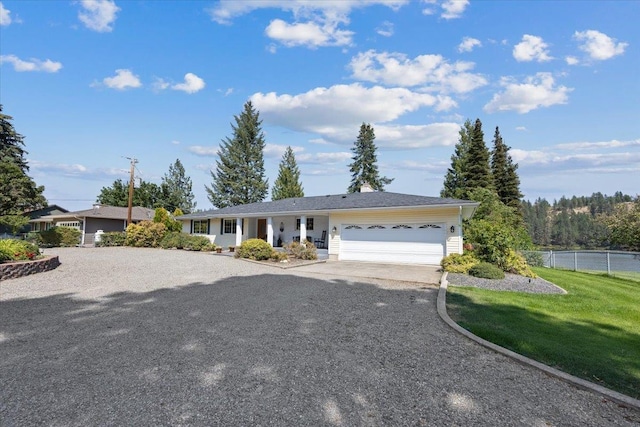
(122, 336)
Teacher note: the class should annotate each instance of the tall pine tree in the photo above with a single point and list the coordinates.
(177, 189)
(287, 184)
(19, 192)
(505, 177)
(477, 173)
(364, 168)
(239, 177)
(454, 180)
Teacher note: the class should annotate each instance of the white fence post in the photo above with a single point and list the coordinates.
(575, 261)
(608, 265)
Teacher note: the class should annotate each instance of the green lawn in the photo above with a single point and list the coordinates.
(593, 332)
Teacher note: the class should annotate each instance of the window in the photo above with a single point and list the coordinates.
(309, 224)
(229, 226)
(201, 226)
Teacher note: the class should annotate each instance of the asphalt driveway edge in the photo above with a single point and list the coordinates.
(620, 398)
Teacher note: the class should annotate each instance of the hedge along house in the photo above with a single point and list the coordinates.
(365, 226)
(100, 217)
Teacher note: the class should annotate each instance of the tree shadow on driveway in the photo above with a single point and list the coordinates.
(266, 349)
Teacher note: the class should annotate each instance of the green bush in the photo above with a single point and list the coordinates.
(145, 234)
(533, 258)
(306, 250)
(60, 236)
(112, 238)
(198, 243)
(459, 263)
(485, 270)
(173, 239)
(34, 237)
(516, 263)
(17, 250)
(162, 216)
(256, 249)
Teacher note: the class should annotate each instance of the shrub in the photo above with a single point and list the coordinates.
(60, 236)
(17, 250)
(173, 239)
(197, 243)
(162, 216)
(256, 249)
(34, 237)
(457, 263)
(279, 256)
(112, 238)
(306, 250)
(485, 270)
(145, 234)
(516, 263)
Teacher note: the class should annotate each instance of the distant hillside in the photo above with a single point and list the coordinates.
(571, 222)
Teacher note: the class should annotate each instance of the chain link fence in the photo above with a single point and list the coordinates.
(613, 263)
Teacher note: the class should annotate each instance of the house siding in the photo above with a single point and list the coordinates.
(94, 224)
(446, 216)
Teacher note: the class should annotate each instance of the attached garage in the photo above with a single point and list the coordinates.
(393, 243)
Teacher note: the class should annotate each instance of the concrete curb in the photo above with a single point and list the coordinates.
(578, 382)
(282, 267)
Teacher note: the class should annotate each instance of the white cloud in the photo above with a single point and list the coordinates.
(521, 128)
(531, 48)
(310, 34)
(98, 15)
(316, 23)
(453, 8)
(571, 60)
(428, 165)
(401, 137)
(323, 110)
(192, 84)
(48, 66)
(323, 158)
(277, 150)
(601, 144)
(200, 150)
(160, 84)
(124, 79)
(598, 45)
(536, 91)
(468, 43)
(595, 162)
(74, 170)
(432, 71)
(175, 142)
(385, 29)
(228, 92)
(5, 15)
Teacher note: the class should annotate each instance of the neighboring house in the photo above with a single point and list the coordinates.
(100, 217)
(34, 214)
(365, 226)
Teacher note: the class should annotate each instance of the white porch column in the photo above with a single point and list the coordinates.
(270, 230)
(303, 229)
(238, 231)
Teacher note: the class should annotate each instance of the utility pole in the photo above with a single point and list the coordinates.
(131, 178)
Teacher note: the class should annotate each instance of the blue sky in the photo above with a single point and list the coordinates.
(91, 82)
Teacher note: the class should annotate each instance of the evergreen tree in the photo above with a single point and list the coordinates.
(503, 170)
(477, 173)
(177, 189)
(287, 184)
(454, 180)
(364, 168)
(19, 193)
(239, 177)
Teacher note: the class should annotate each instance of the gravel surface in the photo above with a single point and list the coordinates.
(122, 336)
(511, 282)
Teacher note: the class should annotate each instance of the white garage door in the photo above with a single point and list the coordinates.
(397, 243)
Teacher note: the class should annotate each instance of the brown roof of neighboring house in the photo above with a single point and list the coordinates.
(138, 213)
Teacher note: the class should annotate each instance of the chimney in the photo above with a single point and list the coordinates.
(366, 188)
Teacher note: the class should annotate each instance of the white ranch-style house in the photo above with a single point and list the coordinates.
(366, 226)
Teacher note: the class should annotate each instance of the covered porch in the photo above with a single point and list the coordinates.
(280, 230)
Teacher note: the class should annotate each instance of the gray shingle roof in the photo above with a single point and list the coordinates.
(317, 204)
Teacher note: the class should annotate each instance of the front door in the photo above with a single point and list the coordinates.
(262, 229)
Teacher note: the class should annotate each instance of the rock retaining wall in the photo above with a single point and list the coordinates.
(12, 270)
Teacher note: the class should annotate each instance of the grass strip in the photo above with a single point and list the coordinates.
(593, 332)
